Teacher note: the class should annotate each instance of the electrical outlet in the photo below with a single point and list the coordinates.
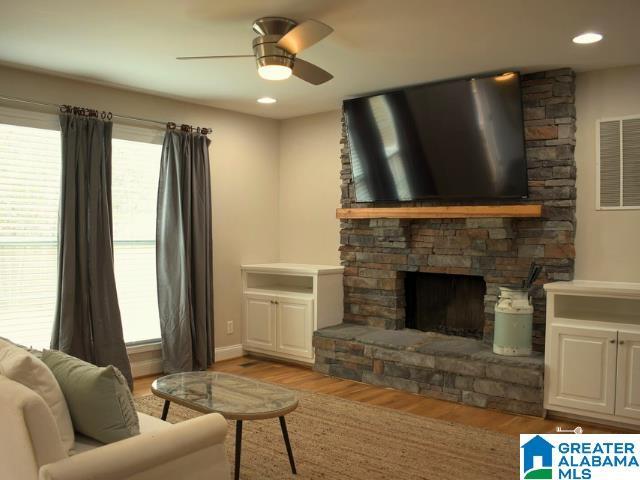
(229, 328)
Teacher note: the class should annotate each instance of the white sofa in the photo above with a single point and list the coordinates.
(30, 448)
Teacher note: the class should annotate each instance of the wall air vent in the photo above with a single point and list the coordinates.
(618, 163)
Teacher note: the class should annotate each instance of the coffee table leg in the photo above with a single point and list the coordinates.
(285, 434)
(165, 410)
(236, 473)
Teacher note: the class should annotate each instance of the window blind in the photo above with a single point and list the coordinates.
(29, 196)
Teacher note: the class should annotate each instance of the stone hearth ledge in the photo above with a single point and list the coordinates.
(457, 369)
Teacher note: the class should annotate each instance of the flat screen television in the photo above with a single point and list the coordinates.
(461, 139)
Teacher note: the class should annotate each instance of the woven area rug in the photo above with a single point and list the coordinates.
(334, 438)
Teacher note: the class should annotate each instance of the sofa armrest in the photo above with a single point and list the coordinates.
(190, 450)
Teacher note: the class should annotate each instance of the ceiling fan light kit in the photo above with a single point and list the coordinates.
(274, 72)
(274, 63)
(275, 48)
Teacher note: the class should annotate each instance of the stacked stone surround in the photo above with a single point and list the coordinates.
(450, 368)
(377, 253)
(371, 346)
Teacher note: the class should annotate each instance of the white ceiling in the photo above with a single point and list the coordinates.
(377, 44)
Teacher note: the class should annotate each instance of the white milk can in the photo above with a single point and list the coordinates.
(513, 322)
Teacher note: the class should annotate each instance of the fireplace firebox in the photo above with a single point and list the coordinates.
(444, 303)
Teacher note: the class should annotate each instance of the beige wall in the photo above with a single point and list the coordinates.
(244, 154)
(310, 189)
(607, 242)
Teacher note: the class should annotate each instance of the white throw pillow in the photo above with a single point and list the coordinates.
(21, 366)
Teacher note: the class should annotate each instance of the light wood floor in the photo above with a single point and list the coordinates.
(304, 378)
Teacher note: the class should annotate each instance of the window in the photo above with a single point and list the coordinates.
(29, 197)
(135, 174)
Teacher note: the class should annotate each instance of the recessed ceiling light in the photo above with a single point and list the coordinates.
(588, 37)
(267, 100)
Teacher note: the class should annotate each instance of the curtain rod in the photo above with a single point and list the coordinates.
(171, 125)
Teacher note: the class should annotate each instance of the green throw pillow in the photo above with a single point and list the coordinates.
(99, 400)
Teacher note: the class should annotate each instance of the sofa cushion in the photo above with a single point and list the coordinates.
(148, 424)
(21, 366)
(99, 400)
(84, 443)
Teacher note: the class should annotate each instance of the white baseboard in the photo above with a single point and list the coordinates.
(153, 366)
(142, 368)
(227, 353)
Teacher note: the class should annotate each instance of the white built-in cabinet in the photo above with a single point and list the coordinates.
(628, 386)
(283, 304)
(592, 351)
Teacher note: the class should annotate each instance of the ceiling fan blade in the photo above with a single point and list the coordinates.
(310, 72)
(214, 56)
(304, 35)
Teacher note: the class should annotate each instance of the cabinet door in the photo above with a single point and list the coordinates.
(259, 322)
(628, 386)
(294, 326)
(582, 368)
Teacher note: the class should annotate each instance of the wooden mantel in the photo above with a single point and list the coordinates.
(458, 211)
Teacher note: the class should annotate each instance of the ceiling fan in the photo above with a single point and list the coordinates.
(277, 45)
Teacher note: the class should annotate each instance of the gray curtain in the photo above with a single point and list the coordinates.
(87, 318)
(184, 254)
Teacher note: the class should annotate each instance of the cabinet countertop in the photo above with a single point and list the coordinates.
(596, 288)
(300, 268)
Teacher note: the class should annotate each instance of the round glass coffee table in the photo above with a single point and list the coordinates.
(235, 398)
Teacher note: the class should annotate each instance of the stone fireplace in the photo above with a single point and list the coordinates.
(389, 263)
